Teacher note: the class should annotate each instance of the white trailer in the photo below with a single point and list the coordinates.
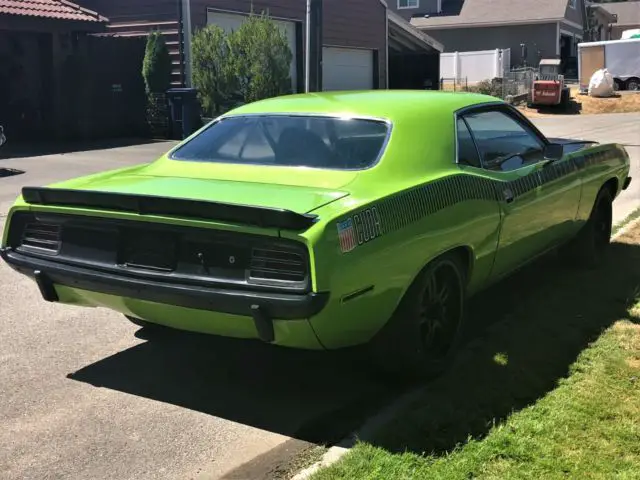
(620, 57)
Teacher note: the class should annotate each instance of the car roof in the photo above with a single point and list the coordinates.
(392, 105)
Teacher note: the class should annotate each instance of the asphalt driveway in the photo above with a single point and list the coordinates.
(81, 396)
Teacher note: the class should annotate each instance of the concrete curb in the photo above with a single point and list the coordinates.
(385, 415)
(336, 452)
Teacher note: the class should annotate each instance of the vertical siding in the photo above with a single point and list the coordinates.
(352, 23)
(119, 11)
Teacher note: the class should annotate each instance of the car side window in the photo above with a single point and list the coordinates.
(504, 143)
(467, 151)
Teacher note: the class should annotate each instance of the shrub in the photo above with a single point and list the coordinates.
(156, 67)
(488, 87)
(213, 74)
(261, 59)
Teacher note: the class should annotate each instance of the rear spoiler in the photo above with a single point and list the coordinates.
(264, 217)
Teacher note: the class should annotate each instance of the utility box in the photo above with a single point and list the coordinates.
(184, 110)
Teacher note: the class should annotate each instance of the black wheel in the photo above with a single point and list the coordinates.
(633, 84)
(422, 337)
(565, 96)
(590, 246)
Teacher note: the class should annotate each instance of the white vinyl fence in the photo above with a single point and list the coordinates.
(475, 66)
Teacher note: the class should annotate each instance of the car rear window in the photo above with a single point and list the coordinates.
(289, 141)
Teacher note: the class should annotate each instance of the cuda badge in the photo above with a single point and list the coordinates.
(359, 229)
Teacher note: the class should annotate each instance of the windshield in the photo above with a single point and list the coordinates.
(291, 141)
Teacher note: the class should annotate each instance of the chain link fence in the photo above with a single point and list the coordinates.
(514, 86)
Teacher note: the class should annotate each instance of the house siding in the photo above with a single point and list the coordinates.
(424, 7)
(537, 37)
(120, 11)
(354, 24)
(575, 15)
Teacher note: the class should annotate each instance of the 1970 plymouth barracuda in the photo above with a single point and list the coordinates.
(322, 221)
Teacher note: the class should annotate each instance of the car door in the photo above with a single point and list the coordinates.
(539, 198)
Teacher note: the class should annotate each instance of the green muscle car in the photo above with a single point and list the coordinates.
(321, 221)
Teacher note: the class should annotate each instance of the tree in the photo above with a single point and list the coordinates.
(156, 67)
(261, 59)
(212, 68)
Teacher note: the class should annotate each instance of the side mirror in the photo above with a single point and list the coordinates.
(553, 151)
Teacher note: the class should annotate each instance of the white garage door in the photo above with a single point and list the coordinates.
(231, 21)
(347, 69)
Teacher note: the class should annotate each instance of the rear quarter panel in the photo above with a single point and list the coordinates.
(598, 165)
(398, 235)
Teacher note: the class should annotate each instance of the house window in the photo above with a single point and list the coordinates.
(408, 3)
(572, 3)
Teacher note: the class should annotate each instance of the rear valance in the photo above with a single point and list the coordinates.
(265, 217)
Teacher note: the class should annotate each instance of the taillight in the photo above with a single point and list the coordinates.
(42, 238)
(277, 265)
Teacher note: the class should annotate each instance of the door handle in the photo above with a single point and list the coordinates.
(508, 195)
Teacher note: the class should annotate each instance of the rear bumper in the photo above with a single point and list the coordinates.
(262, 307)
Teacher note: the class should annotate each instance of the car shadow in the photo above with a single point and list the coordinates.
(507, 363)
(527, 332)
(317, 397)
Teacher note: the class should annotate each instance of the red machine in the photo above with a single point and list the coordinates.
(548, 87)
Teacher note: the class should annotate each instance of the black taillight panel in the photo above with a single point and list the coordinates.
(161, 251)
(278, 265)
(43, 238)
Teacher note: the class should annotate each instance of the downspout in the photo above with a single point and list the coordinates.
(386, 47)
(186, 19)
(558, 39)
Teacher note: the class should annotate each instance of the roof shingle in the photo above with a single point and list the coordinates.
(54, 9)
(487, 12)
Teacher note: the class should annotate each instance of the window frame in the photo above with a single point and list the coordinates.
(504, 108)
(417, 5)
(383, 150)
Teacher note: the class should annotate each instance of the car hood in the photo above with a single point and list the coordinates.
(296, 198)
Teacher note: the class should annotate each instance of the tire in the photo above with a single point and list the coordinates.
(422, 337)
(565, 96)
(590, 246)
(633, 84)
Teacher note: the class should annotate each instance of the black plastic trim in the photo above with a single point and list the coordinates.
(627, 182)
(281, 306)
(179, 207)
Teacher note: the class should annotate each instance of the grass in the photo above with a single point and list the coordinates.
(549, 387)
(621, 103)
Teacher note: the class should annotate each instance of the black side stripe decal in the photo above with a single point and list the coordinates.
(402, 209)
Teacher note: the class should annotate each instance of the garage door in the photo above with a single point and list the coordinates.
(347, 69)
(231, 21)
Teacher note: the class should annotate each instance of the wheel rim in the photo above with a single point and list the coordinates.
(602, 227)
(441, 309)
(633, 86)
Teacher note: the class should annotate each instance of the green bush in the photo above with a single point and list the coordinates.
(213, 74)
(488, 87)
(261, 59)
(251, 63)
(156, 67)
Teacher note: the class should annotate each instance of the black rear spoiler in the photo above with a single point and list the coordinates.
(264, 217)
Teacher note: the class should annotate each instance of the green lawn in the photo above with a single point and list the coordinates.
(550, 387)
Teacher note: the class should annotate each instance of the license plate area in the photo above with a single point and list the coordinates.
(148, 250)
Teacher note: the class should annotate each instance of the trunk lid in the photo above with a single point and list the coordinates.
(295, 198)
